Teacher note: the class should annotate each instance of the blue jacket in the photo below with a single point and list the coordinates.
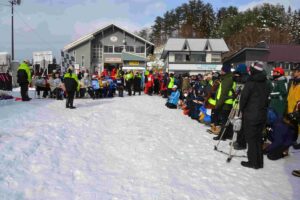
(95, 84)
(174, 98)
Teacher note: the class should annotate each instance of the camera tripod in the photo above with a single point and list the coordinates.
(234, 118)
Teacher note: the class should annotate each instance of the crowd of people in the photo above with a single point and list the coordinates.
(269, 108)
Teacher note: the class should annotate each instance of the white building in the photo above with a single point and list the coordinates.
(184, 55)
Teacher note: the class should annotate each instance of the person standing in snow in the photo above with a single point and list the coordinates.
(72, 85)
(254, 106)
(137, 83)
(24, 79)
(279, 91)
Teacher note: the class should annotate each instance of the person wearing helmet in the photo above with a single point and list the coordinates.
(24, 79)
(279, 91)
(72, 85)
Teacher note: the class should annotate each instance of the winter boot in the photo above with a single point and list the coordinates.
(215, 130)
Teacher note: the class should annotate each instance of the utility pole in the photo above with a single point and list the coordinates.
(13, 2)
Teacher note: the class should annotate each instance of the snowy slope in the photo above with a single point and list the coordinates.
(125, 148)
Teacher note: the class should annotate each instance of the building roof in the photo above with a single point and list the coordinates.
(274, 53)
(194, 44)
(282, 53)
(93, 34)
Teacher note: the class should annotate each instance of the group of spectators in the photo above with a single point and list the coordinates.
(269, 107)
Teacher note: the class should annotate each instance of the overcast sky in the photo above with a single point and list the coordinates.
(51, 24)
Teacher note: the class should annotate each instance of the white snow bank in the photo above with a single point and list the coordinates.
(125, 148)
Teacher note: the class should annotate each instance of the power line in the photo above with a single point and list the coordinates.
(36, 33)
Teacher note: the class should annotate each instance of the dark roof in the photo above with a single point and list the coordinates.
(281, 53)
(276, 53)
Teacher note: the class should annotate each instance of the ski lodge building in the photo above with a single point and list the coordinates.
(193, 56)
(109, 47)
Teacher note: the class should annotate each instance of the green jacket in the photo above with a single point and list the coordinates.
(24, 66)
(226, 87)
(279, 95)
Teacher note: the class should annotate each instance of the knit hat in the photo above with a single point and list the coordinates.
(226, 68)
(258, 65)
(174, 87)
(70, 68)
(241, 69)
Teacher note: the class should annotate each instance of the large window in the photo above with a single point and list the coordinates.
(216, 57)
(96, 51)
(108, 49)
(140, 49)
(129, 48)
(198, 58)
(119, 49)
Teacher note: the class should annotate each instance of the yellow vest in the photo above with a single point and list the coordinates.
(230, 100)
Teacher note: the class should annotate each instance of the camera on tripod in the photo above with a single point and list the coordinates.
(236, 124)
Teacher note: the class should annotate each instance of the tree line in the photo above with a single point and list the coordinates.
(196, 19)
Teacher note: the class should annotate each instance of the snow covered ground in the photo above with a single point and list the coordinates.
(125, 148)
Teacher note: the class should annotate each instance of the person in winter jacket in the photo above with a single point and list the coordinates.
(156, 84)
(95, 86)
(171, 82)
(120, 85)
(173, 98)
(240, 77)
(293, 100)
(254, 106)
(84, 85)
(279, 91)
(55, 86)
(71, 85)
(150, 83)
(137, 81)
(224, 101)
(128, 81)
(24, 79)
(281, 134)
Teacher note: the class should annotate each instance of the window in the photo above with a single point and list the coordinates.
(74, 55)
(216, 57)
(178, 57)
(198, 58)
(96, 51)
(82, 61)
(129, 48)
(187, 58)
(119, 49)
(140, 49)
(108, 49)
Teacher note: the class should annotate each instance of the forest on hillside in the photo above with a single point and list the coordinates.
(196, 19)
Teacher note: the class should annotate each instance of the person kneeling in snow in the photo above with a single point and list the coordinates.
(174, 98)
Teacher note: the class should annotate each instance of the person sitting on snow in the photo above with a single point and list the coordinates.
(173, 98)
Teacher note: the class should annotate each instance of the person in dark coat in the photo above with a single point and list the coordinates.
(71, 86)
(137, 80)
(254, 106)
(24, 79)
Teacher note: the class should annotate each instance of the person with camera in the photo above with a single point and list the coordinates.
(254, 105)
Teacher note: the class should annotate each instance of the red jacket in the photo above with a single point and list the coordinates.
(150, 82)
